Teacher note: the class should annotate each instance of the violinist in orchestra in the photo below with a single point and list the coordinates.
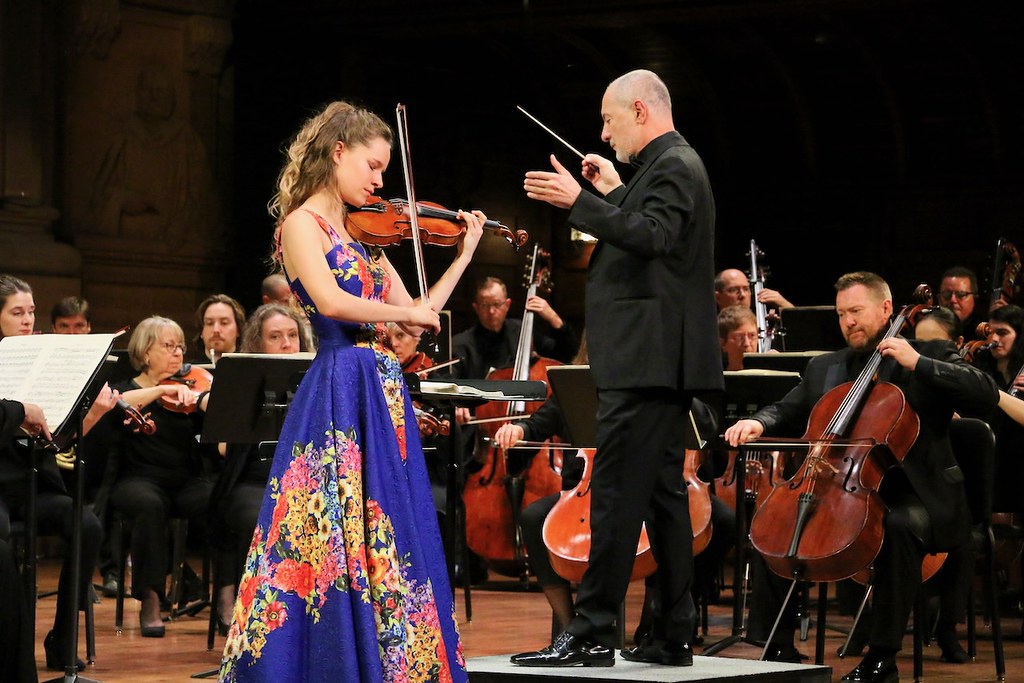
(927, 503)
(650, 309)
(238, 492)
(54, 505)
(220, 320)
(158, 476)
(345, 578)
(71, 315)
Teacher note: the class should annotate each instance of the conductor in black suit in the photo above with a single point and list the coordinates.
(925, 495)
(650, 307)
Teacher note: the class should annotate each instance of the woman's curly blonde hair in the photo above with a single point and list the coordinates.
(309, 166)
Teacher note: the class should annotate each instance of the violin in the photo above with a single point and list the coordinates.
(419, 363)
(197, 379)
(136, 418)
(968, 350)
(384, 222)
(826, 522)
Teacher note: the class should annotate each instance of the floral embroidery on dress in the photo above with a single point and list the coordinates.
(303, 554)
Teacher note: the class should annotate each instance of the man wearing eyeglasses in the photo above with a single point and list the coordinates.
(492, 341)
(959, 291)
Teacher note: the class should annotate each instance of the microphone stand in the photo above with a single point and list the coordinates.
(77, 496)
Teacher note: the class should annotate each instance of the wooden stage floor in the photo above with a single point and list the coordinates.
(506, 619)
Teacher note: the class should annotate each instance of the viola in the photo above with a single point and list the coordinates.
(197, 379)
(385, 222)
(826, 522)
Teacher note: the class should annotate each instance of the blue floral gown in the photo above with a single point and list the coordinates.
(345, 579)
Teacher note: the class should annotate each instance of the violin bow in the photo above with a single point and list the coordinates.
(421, 271)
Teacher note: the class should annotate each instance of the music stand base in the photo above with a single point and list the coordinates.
(70, 678)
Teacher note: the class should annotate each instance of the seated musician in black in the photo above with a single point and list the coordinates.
(238, 492)
(925, 494)
(492, 341)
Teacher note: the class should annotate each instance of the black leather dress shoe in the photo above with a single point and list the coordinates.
(568, 650)
(671, 654)
(871, 670)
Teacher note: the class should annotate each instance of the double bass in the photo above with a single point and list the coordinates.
(826, 522)
(495, 496)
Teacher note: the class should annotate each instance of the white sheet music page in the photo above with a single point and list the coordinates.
(51, 370)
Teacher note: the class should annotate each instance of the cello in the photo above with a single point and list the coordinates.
(567, 527)
(495, 496)
(826, 522)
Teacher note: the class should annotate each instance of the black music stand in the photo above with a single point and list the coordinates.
(248, 403)
(455, 518)
(811, 328)
(69, 432)
(787, 361)
(746, 391)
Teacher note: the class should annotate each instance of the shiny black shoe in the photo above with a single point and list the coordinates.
(783, 653)
(670, 654)
(873, 670)
(55, 654)
(568, 650)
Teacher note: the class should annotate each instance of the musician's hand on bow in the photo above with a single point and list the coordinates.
(422, 316)
(462, 415)
(508, 435)
(558, 189)
(743, 431)
(34, 423)
(178, 393)
(601, 173)
(900, 350)
(474, 231)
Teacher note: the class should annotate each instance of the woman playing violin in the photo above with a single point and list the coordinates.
(925, 495)
(158, 476)
(345, 578)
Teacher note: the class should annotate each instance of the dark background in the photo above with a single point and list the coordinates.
(839, 135)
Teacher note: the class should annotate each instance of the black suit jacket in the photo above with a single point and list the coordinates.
(560, 345)
(650, 307)
(941, 383)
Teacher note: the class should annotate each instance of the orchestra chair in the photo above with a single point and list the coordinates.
(120, 543)
(974, 446)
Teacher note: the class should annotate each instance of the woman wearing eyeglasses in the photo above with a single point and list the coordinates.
(157, 476)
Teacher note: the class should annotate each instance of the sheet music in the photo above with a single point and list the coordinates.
(452, 389)
(50, 370)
